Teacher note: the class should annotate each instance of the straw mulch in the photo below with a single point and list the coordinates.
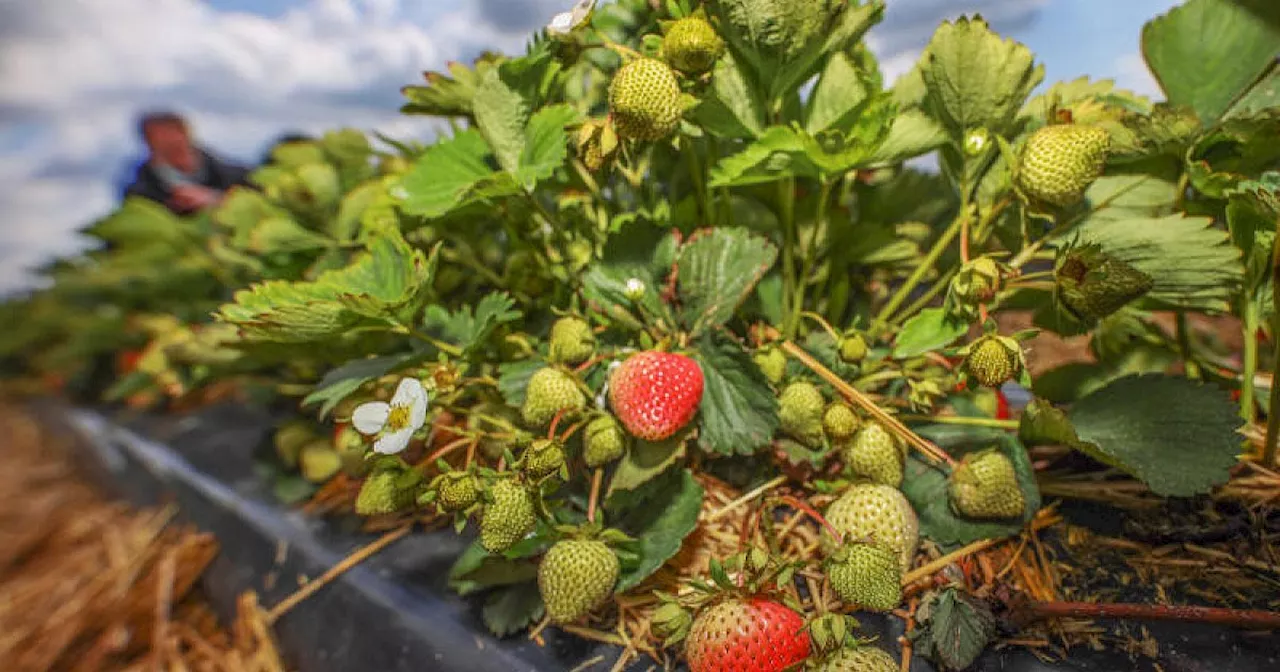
(88, 584)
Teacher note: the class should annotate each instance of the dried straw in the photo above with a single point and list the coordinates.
(86, 584)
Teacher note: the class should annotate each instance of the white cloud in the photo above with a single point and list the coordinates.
(1131, 73)
(76, 72)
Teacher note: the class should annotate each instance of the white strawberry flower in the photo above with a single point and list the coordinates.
(565, 22)
(394, 423)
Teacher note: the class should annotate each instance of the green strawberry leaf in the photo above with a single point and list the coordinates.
(339, 383)
(716, 271)
(975, 79)
(513, 378)
(1206, 53)
(739, 413)
(931, 329)
(660, 526)
(477, 569)
(642, 464)
(1264, 95)
(445, 95)
(143, 223)
(450, 174)
(512, 609)
(1177, 436)
(634, 251)
(380, 290)
(767, 159)
(954, 629)
(471, 331)
(911, 134)
(1235, 151)
(546, 144)
(925, 486)
(838, 93)
(731, 108)
(504, 102)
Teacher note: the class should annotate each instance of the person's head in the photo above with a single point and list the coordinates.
(168, 140)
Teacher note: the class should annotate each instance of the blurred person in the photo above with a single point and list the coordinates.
(177, 173)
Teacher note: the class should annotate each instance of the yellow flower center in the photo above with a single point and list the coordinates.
(398, 418)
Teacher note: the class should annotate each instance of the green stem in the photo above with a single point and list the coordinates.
(787, 211)
(446, 348)
(923, 267)
(879, 376)
(696, 174)
(965, 421)
(1273, 408)
(1184, 346)
(810, 259)
(919, 304)
(1248, 395)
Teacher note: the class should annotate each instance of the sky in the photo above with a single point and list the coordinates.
(74, 74)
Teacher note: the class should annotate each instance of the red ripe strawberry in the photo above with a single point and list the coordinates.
(655, 394)
(756, 635)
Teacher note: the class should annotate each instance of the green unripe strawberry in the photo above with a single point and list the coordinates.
(772, 363)
(508, 518)
(864, 658)
(457, 491)
(1091, 284)
(645, 100)
(543, 458)
(550, 391)
(572, 341)
(290, 439)
(692, 45)
(875, 454)
(576, 576)
(867, 576)
(386, 492)
(603, 441)
(852, 347)
(985, 485)
(800, 409)
(1059, 162)
(318, 461)
(840, 421)
(871, 512)
(993, 360)
(976, 284)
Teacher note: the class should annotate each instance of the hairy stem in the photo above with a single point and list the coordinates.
(922, 269)
(594, 500)
(965, 421)
(810, 259)
(1249, 362)
(787, 212)
(1183, 331)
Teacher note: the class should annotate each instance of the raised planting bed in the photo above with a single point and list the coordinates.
(394, 610)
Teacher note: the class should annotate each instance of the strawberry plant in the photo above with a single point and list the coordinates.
(680, 248)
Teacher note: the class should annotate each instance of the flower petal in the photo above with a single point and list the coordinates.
(409, 393)
(370, 417)
(390, 444)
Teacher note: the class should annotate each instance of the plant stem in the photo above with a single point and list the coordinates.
(1249, 362)
(446, 348)
(919, 304)
(1252, 619)
(931, 451)
(799, 505)
(787, 211)
(922, 268)
(822, 322)
(1184, 345)
(1273, 409)
(593, 501)
(810, 259)
(965, 421)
